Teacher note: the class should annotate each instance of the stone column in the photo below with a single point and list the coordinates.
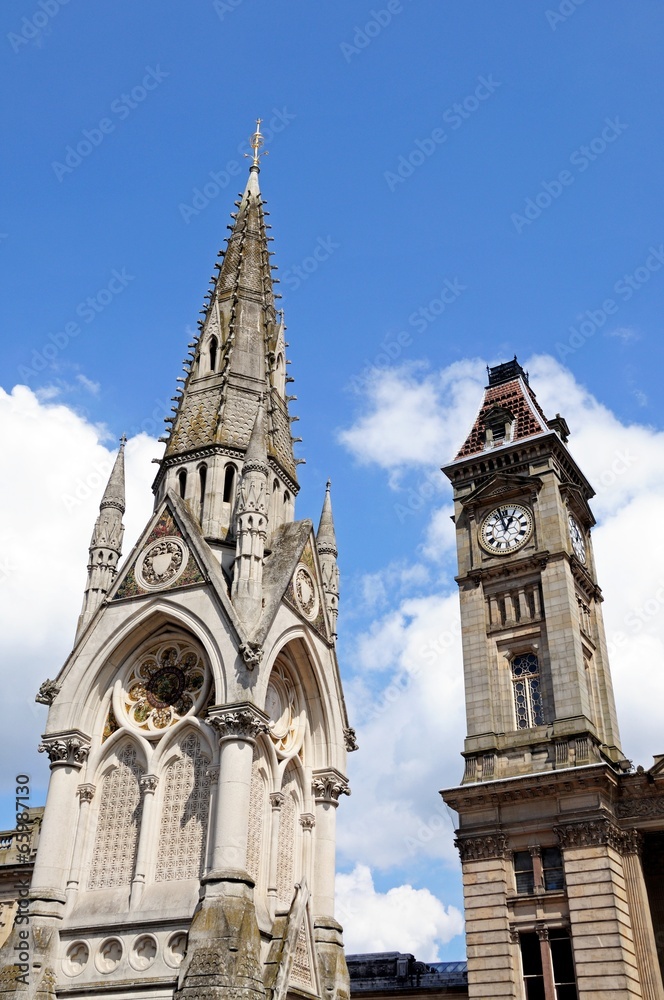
(547, 966)
(639, 909)
(307, 822)
(276, 802)
(237, 726)
(67, 753)
(213, 774)
(85, 796)
(327, 786)
(223, 959)
(600, 925)
(146, 838)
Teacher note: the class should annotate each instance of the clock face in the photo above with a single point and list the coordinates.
(506, 529)
(578, 541)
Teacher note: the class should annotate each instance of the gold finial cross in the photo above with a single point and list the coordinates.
(256, 142)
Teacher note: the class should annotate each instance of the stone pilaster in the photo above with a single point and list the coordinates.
(639, 910)
(600, 925)
(490, 949)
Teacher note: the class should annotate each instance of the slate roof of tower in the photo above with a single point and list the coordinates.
(513, 394)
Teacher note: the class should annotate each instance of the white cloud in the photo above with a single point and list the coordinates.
(56, 465)
(402, 919)
(625, 334)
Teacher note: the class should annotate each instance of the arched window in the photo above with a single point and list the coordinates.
(202, 480)
(229, 484)
(182, 482)
(213, 349)
(527, 691)
(280, 375)
(118, 823)
(184, 815)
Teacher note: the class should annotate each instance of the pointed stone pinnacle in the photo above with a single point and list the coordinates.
(326, 539)
(257, 448)
(114, 494)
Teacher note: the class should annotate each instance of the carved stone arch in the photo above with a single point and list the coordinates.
(166, 749)
(101, 757)
(117, 819)
(183, 805)
(78, 704)
(325, 725)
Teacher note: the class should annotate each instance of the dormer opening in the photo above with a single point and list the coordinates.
(213, 350)
(499, 426)
(202, 481)
(182, 482)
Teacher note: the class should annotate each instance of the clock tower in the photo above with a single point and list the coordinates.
(556, 901)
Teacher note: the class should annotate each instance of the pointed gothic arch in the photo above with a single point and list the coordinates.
(118, 817)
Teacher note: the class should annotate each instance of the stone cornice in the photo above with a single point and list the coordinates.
(530, 786)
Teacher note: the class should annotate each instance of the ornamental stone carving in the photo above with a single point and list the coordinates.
(47, 693)
(350, 740)
(244, 722)
(86, 793)
(277, 799)
(306, 592)
(65, 750)
(307, 821)
(597, 833)
(149, 782)
(327, 786)
(482, 848)
(646, 807)
(162, 563)
(252, 654)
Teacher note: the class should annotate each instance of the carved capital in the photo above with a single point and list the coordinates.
(149, 782)
(542, 932)
(252, 654)
(307, 821)
(240, 722)
(212, 774)
(327, 786)
(86, 793)
(350, 740)
(47, 693)
(596, 833)
(277, 799)
(482, 848)
(66, 749)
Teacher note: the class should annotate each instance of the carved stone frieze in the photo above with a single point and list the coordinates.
(327, 786)
(65, 749)
(243, 722)
(350, 740)
(47, 693)
(482, 848)
(597, 833)
(643, 807)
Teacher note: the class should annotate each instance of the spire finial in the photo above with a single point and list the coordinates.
(256, 142)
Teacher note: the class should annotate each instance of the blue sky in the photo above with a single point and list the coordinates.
(483, 179)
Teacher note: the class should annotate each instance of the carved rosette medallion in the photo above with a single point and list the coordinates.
(162, 563)
(66, 750)
(328, 786)
(166, 682)
(482, 848)
(306, 593)
(242, 722)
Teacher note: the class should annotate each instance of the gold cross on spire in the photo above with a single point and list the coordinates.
(256, 142)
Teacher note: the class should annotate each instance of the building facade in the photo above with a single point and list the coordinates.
(561, 842)
(197, 733)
